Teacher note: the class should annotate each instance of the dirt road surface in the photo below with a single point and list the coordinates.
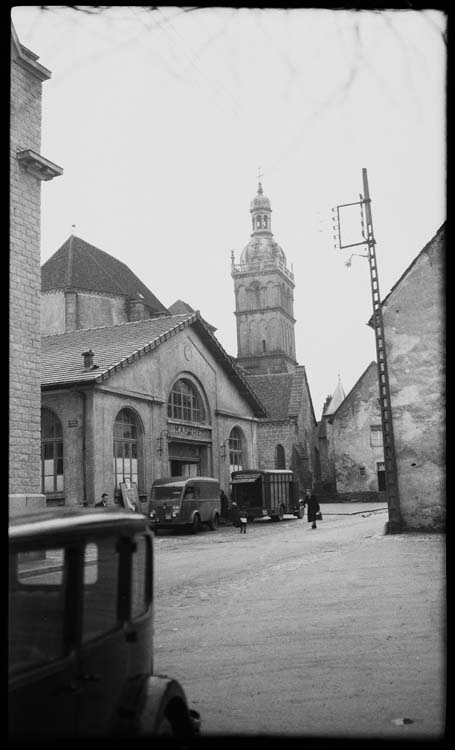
(291, 632)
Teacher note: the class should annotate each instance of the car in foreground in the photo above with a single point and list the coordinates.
(81, 630)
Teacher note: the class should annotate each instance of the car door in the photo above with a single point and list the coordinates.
(103, 651)
(43, 689)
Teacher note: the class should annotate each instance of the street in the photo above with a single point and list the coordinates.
(289, 631)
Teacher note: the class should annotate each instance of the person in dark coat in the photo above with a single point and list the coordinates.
(103, 502)
(224, 504)
(235, 515)
(312, 508)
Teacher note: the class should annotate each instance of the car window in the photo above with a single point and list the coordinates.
(101, 563)
(36, 609)
(140, 590)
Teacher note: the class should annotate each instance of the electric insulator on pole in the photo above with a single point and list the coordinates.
(366, 230)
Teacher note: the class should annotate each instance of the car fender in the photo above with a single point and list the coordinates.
(150, 697)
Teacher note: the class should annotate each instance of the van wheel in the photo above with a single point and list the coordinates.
(213, 524)
(165, 728)
(196, 524)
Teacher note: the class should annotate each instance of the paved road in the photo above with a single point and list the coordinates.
(286, 631)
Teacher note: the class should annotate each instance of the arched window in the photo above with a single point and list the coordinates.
(236, 458)
(185, 403)
(265, 222)
(254, 293)
(280, 458)
(127, 448)
(258, 222)
(51, 453)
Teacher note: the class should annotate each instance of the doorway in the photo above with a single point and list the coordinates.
(380, 470)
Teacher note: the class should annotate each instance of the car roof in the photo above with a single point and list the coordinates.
(75, 520)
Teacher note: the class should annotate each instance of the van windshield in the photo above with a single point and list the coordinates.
(166, 492)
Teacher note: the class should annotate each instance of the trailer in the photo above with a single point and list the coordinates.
(267, 492)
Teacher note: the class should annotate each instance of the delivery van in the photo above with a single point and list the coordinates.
(185, 502)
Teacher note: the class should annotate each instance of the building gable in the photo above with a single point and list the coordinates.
(116, 347)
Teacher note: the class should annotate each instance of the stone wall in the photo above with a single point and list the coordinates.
(24, 292)
(415, 340)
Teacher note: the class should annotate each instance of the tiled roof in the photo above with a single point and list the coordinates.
(114, 347)
(337, 399)
(372, 366)
(274, 390)
(282, 393)
(179, 307)
(79, 265)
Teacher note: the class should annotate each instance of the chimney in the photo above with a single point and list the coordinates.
(88, 359)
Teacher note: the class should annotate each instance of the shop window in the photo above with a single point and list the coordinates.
(236, 453)
(127, 448)
(51, 453)
(185, 403)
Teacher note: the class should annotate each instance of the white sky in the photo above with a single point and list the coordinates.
(161, 120)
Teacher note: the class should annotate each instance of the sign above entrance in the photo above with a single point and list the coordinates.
(190, 432)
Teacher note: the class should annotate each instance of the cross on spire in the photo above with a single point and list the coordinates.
(260, 174)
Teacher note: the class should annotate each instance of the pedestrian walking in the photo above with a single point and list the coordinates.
(103, 502)
(312, 508)
(243, 523)
(238, 520)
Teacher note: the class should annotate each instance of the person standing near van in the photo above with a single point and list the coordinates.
(312, 508)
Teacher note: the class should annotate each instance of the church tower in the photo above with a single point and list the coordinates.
(264, 301)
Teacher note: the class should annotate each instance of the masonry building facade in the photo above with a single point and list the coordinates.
(264, 310)
(28, 168)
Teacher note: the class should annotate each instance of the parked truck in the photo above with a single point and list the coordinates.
(267, 492)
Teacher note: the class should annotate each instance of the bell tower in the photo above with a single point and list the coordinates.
(264, 299)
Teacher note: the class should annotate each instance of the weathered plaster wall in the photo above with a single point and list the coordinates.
(350, 436)
(415, 340)
(52, 312)
(94, 310)
(70, 310)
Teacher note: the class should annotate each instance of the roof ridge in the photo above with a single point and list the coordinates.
(69, 268)
(119, 325)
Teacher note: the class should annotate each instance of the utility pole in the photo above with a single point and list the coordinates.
(393, 502)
